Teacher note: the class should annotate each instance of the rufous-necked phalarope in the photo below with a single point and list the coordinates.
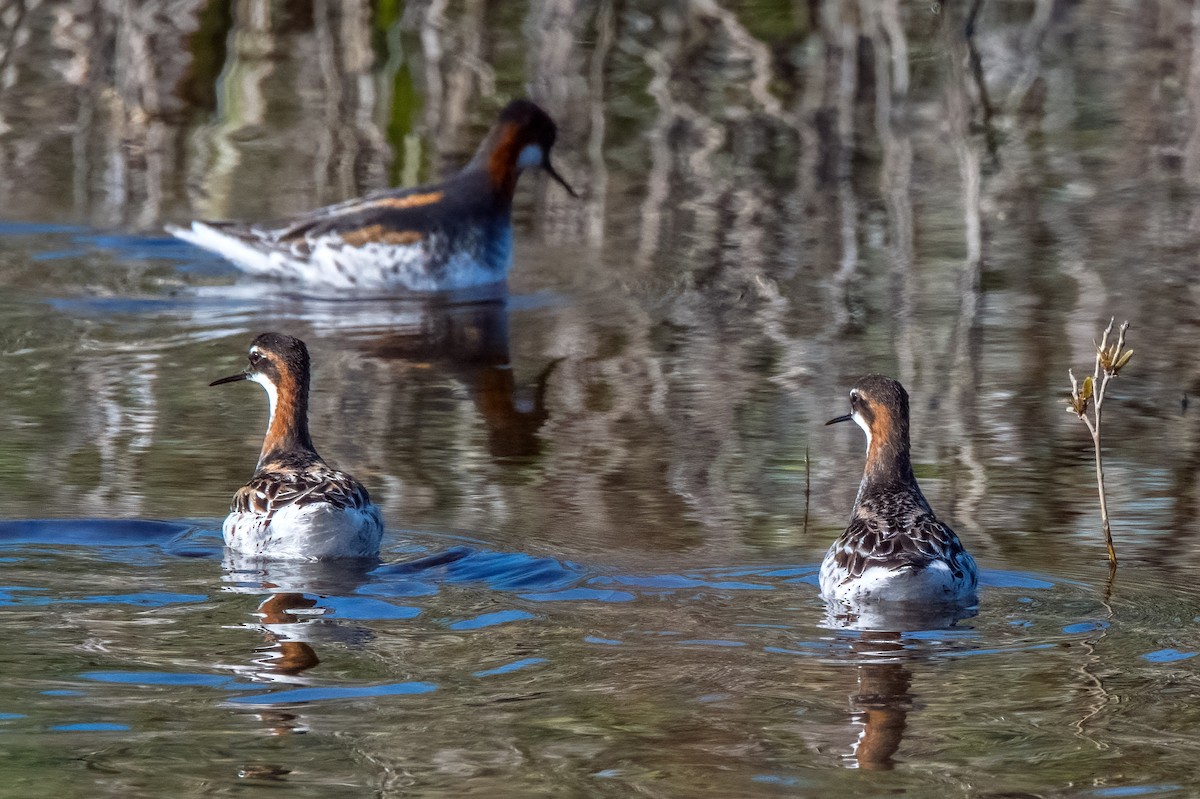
(895, 549)
(453, 235)
(296, 507)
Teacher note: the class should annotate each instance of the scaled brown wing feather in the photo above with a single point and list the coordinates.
(267, 491)
(865, 543)
(257, 496)
(340, 490)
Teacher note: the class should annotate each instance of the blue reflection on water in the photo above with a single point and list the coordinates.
(673, 581)
(1168, 656)
(491, 619)
(148, 599)
(90, 532)
(998, 650)
(593, 639)
(364, 609)
(1085, 627)
(300, 695)
(421, 572)
(56, 255)
(775, 779)
(502, 571)
(77, 241)
(399, 588)
(510, 667)
(993, 578)
(1137, 790)
(421, 565)
(779, 650)
(167, 678)
(91, 727)
(580, 594)
(151, 599)
(11, 228)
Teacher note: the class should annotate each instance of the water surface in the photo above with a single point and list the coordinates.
(608, 491)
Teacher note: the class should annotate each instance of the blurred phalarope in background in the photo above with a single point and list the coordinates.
(295, 507)
(448, 236)
(894, 549)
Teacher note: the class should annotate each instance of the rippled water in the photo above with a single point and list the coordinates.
(158, 667)
(607, 492)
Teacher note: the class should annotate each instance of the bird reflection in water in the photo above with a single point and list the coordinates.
(461, 335)
(469, 341)
(286, 656)
(290, 620)
(881, 704)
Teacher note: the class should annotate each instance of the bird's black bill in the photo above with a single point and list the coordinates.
(546, 165)
(848, 417)
(231, 379)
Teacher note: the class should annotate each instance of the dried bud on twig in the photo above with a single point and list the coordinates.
(1110, 359)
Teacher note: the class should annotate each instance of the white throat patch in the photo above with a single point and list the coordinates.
(858, 420)
(273, 395)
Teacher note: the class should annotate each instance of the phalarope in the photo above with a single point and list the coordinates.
(295, 507)
(452, 235)
(894, 549)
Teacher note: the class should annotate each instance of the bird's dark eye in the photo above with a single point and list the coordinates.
(255, 359)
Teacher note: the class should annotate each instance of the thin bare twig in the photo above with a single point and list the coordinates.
(1109, 362)
(807, 490)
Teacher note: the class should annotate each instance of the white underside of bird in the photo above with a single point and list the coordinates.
(935, 582)
(306, 531)
(328, 261)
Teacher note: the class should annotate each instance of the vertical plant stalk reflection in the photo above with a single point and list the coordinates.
(1095, 684)
(963, 107)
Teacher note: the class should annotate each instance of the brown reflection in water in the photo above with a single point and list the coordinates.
(265, 772)
(289, 622)
(470, 343)
(1185, 478)
(283, 656)
(882, 701)
(291, 657)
